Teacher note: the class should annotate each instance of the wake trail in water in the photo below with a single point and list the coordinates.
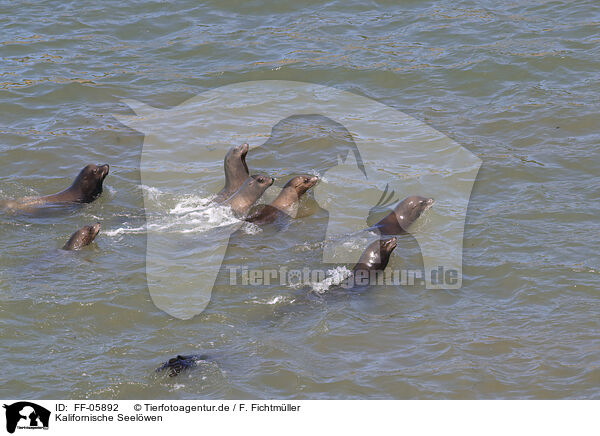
(179, 214)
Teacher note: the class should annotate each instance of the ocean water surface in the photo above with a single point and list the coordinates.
(517, 84)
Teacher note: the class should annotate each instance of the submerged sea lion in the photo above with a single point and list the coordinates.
(236, 171)
(181, 363)
(250, 191)
(286, 203)
(375, 258)
(86, 187)
(82, 237)
(404, 214)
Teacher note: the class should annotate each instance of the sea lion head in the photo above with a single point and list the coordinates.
(88, 183)
(411, 208)
(386, 246)
(260, 181)
(234, 157)
(302, 183)
(376, 256)
(252, 189)
(82, 237)
(382, 252)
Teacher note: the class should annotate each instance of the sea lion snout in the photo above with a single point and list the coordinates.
(269, 180)
(264, 180)
(309, 182)
(243, 149)
(390, 244)
(101, 171)
(95, 171)
(313, 180)
(302, 183)
(94, 230)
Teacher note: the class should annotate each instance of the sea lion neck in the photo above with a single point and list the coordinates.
(287, 198)
(236, 172)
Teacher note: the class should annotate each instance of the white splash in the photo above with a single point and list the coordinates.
(189, 214)
(334, 277)
(275, 300)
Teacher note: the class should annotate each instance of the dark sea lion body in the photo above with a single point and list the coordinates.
(181, 363)
(236, 171)
(82, 237)
(250, 191)
(86, 187)
(374, 258)
(285, 204)
(404, 214)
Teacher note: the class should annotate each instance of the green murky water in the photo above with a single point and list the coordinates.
(517, 84)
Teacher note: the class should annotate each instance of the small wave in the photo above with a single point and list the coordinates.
(151, 192)
(124, 230)
(275, 300)
(190, 204)
(334, 277)
(250, 228)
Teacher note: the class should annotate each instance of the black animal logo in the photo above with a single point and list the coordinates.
(33, 416)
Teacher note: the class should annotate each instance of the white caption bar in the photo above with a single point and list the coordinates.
(295, 417)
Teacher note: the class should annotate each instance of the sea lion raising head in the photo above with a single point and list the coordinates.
(86, 187)
(404, 214)
(88, 184)
(236, 171)
(82, 237)
(375, 258)
(250, 191)
(286, 202)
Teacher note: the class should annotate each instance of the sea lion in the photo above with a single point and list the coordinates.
(181, 363)
(250, 191)
(375, 258)
(82, 237)
(86, 187)
(286, 203)
(236, 171)
(404, 214)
